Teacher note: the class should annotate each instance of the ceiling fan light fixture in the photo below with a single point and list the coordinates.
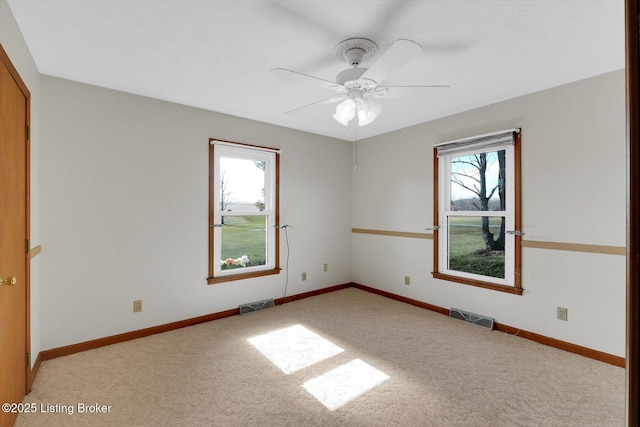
(345, 111)
(368, 111)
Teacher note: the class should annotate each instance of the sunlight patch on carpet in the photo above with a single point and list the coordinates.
(294, 348)
(344, 383)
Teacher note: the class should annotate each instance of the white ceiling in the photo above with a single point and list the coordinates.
(217, 54)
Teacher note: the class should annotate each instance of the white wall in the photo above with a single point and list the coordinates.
(125, 211)
(15, 46)
(573, 189)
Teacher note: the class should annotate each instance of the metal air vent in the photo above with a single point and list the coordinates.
(255, 306)
(476, 319)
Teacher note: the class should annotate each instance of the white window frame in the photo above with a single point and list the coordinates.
(224, 149)
(460, 148)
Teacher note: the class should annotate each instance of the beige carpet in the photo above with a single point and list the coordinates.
(347, 358)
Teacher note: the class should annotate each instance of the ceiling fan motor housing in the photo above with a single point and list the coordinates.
(354, 51)
(350, 79)
(350, 74)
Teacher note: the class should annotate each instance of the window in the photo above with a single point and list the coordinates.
(243, 211)
(477, 209)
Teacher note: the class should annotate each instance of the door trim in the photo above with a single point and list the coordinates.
(6, 61)
(632, 70)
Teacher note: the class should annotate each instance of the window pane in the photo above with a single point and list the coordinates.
(241, 185)
(476, 245)
(244, 241)
(478, 182)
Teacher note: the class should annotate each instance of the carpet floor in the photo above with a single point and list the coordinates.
(345, 358)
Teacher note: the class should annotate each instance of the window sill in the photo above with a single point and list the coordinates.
(478, 283)
(241, 276)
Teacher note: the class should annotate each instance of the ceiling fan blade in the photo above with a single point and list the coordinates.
(291, 75)
(313, 104)
(395, 57)
(419, 91)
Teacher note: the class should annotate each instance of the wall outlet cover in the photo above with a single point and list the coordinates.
(562, 313)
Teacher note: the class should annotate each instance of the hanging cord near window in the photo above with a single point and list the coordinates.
(286, 265)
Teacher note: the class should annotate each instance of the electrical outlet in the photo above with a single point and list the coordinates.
(407, 280)
(562, 313)
(137, 306)
(325, 267)
(304, 276)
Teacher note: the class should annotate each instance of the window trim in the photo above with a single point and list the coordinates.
(517, 196)
(212, 279)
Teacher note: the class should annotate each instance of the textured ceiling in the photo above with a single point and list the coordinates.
(217, 54)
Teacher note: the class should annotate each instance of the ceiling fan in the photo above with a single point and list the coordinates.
(357, 87)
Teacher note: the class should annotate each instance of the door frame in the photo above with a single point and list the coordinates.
(6, 62)
(632, 70)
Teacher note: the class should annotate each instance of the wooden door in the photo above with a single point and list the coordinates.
(13, 238)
